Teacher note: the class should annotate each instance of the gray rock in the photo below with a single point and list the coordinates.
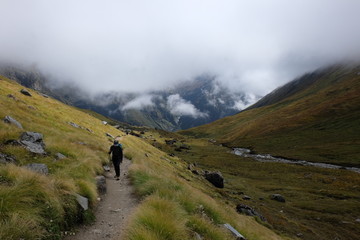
(106, 168)
(234, 232)
(170, 142)
(101, 184)
(246, 197)
(244, 209)
(197, 236)
(11, 96)
(38, 167)
(33, 142)
(60, 156)
(11, 120)
(44, 95)
(25, 92)
(83, 201)
(4, 158)
(277, 197)
(109, 135)
(73, 124)
(185, 147)
(215, 178)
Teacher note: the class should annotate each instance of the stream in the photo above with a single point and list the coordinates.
(244, 152)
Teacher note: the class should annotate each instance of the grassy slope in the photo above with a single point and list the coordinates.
(34, 206)
(320, 123)
(320, 203)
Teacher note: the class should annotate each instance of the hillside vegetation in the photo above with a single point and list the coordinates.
(314, 118)
(174, 204)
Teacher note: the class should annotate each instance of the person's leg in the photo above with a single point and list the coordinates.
(117, 168)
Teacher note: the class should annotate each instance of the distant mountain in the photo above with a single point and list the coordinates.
(315, 117)
(188, 104)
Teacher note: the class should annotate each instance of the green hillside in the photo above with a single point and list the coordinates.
(174, 204)
(315, 118)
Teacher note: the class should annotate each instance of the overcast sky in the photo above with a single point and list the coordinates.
(139, 45)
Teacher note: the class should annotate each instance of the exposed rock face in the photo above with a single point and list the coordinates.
(4, 158)
(33, 142)
(244, 209)
(38, 167)
(277, 197)
(215, 178)
(101, 184)
(25, 92)
(11, 120)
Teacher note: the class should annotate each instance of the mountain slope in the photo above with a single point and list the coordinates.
(314, 118)
(44, 206)
(188, 104)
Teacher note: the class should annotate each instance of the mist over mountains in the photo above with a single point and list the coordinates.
(187, 104)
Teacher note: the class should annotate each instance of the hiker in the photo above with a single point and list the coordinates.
(117, 157)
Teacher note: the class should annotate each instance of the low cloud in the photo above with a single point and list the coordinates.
(248, 100)
(180, 107)
(139, 102)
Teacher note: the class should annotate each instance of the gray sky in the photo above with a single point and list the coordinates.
(139, 45)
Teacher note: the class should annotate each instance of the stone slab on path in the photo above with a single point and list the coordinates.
(113, 211)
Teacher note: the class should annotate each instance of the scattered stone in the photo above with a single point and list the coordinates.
(185, 147)
(11, 120)
(109, 135)
(83, 201)
(142, 132)
(170, 142)
(299, 234)
(73, 124)
(134, 134)
(25, 92)
(106, 168)
(277, 197)
(146, 155)
(60, 156)
(11, 96)
(4, 158)
(178, 149)
(101, 184)
(234, 232)
(212, 140)
(190, 167)
(38, 167)
(81, 143)
(197, 172)
(104, 122)
(244, 209)
(197, 236)
(33, 142)
(215, 178)
(246, 197)
(357, 220)
(171, 155)
(31, 107)
(96, 231)
(44, 95)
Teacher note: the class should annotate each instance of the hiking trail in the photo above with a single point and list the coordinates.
(113, 211)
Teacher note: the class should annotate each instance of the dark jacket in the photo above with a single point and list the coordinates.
(117, 152)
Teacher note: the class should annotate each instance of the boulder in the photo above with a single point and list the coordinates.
(101, 184)
(234, 232)
(215, 178)
(106, 168)
(38, 167)
(277, 197)
(11, 120)
(244, 209)
(25, 92)
(4, 158)
(33, 142)
(60, 156)
(83, 201)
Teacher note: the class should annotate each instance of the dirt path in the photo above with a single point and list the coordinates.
(113, 210)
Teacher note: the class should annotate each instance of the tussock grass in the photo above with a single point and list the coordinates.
(34, 206)
(174, 208)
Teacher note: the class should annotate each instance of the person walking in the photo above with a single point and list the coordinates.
(117, 157)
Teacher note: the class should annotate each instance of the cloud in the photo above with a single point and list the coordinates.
(141, 45)
(248, 100)
(180, 107)
(139, 102)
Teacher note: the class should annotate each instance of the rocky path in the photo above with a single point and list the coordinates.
(113, 211)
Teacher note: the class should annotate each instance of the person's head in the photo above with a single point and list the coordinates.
(116, 142)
